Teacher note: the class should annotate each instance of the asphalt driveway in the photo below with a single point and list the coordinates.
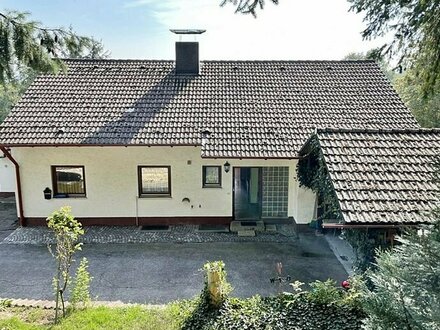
(162, 272)
(8, 216)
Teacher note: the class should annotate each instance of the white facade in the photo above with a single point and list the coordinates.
(7, 175)
(111, 178)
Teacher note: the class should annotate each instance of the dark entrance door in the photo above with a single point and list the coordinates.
(247, 193)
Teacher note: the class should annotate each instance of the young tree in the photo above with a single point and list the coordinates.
(415, 27)
(67, 232)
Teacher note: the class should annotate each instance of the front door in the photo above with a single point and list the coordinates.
(247, 193)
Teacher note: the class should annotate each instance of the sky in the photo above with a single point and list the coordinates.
(139, 29)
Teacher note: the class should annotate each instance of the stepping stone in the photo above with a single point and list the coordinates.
(271, 228)
(247, 226)
(246, 233)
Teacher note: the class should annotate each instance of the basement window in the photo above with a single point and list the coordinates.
(212, 176)
(154, 181)
(68, 181)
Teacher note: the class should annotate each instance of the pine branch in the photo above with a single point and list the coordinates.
(25, 43)
(247, 6)
(17, 23)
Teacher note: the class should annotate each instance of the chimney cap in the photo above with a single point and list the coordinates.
(187, 31)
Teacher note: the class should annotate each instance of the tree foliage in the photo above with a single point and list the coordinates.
(247, 6)
(426, 109)
(405, 290)
(13, 89)
(406, 285)
(415, 26)
(26, 43)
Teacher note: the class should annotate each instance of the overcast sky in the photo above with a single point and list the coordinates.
(294, 30)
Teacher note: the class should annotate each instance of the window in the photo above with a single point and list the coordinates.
(68, 181)
(212, 176)
(154, 180)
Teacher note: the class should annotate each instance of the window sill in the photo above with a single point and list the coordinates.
(154, 196)
(212, 186)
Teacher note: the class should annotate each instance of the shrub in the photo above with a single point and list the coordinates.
(324, 292)
(80, 295)
(275, 313)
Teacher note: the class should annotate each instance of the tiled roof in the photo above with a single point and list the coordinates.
(234, 109)
(382, 175)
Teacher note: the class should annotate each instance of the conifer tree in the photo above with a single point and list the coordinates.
(405, 286)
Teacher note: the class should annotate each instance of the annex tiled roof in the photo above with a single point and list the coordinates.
(234, 109)
(382, 176)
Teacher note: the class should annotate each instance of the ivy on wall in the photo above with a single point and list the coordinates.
(313, 174)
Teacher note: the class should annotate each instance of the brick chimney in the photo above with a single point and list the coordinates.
(187, 53)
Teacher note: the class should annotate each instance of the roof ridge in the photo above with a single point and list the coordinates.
(212, 61)
(111, 60)
(378, 130)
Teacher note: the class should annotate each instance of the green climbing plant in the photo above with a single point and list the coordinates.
(313, 174)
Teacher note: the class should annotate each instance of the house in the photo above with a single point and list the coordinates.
(134, 142)
(382, 178)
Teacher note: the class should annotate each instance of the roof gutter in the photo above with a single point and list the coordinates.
(17, 177)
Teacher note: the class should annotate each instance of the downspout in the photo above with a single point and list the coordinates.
(17, 177)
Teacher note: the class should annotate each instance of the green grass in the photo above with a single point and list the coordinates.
(15, 324)
(136, 318)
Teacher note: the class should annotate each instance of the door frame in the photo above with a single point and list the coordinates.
(260, 192)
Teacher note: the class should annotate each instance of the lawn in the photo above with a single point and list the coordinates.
(135, 317)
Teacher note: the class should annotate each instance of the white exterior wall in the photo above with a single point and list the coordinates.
(7, 175)
(112, 182)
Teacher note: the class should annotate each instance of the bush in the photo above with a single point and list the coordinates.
(323, 307)
(324, 292)
(80, 296)
(280, 312)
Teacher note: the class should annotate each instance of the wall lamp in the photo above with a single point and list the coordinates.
(227, 166)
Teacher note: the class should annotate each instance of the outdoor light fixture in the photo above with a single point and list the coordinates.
(227, 167)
